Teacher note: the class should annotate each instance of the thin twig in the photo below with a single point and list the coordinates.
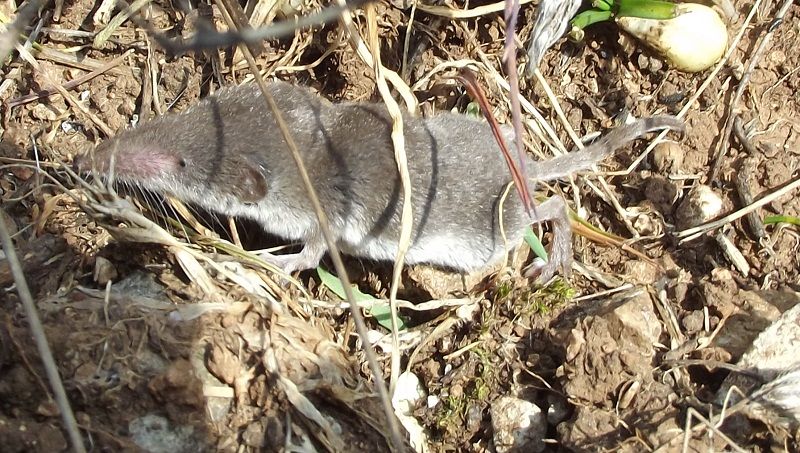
(692, 233)
(67, 96)
(341, 271)
(11, 34)
(208, 38)
(510, 59)
(37, 331)
(452, 13)
(726, 131)
(69, 85)
(406, 215)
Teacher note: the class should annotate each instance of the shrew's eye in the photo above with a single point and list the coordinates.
(182, 162)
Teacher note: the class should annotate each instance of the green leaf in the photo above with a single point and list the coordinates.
(603, 5)
(474, 109)
(590, 17)
(380, 311)
(535, 244)
(645, 9)
(775, 219)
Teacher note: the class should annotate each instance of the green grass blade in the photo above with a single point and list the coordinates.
(380, 311)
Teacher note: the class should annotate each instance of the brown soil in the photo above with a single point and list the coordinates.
(152, 365)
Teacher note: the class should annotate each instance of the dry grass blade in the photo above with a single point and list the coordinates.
(67, 96)
(102, 36)
(452, 13)
(366, 56)
(37, 331)
(694, 232)
(12, 31)
(207, 38)
(406, 215)
(510, 59)
(74, 83)
(326, 232)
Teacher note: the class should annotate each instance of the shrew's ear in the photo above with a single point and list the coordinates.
(253, 183)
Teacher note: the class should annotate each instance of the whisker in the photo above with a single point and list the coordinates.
(177, 219)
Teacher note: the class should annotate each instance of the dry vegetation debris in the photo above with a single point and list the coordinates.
(169, 337)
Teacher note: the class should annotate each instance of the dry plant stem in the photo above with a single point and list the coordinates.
(71, 84)
(692, 412)
(366, 56)
(102, 36)
(398, 140)
(557, 107)
(404, 69)
(67, 96)
(692, 233)
(72, 60)
(453, 13)
(501, 82)
(209, 39)
(11, 34)
(471, 83)
(722, 62)
(59, 4)
(238, 15)
(510, 59)
(756, 56)
(341, 271)
(152, 65)
(37, 331)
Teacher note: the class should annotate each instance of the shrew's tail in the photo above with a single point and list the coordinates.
(604, 146)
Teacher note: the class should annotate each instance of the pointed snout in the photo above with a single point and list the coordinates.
(88, 162)
(82, 164)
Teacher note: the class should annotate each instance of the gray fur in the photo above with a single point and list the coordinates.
(227, 155)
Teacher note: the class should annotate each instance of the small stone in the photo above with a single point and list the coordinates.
(647, 219)
(693, 322)
(44, 112)
(519, 425)
(48, 408)
(700, 205)
(637, 316)
(668, 157)
(154, 433)
(456, 391)
(640, 272)
(656, 64)
(474, 417)
(777, 57)
(253, 436)
(643, 61)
